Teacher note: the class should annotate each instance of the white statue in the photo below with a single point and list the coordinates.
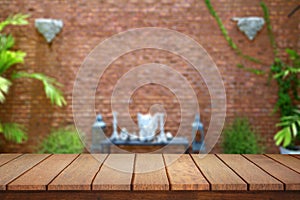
(115, 135)
(148, 125)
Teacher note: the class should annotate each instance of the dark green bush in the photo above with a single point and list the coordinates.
(239, 137)
(63, 140)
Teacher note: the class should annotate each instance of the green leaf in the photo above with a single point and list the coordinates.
(292, 54)
(6, 42)
(241, 66)
(4, 87)
(10, 58)
(50, 86)
(285, 73)
(283, 124)
(279, 137)
(287, 137)
(269, 27)
(17, 19)
(294, 129)
(14, 132)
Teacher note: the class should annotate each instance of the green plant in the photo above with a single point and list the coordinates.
(290, 129)
(63, 140)
(240, 138)
(284, 73)
(9, 58)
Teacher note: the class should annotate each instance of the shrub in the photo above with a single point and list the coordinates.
(239, 137)
(63, 140)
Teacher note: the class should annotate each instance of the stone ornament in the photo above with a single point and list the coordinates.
(124, 135)
(147, 125)
(115, 134)
(249, 25)
(49, 28)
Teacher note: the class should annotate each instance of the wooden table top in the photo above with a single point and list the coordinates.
(219, 172)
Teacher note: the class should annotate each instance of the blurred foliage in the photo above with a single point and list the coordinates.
(9, 58)
(290, 130)
(240, 138)
(63, 140)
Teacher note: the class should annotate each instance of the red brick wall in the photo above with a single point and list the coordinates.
(87, 23)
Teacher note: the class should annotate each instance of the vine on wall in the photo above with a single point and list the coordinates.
(284, 73)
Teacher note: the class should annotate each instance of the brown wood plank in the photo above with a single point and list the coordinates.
(18, 166)
(115, 173)
(183, 173)
(5, 158)
(42, 174)
(218, 174)
(287, 160)
(150, 173)
(253, 175)
(290, 178)
(151, 195)
(296, 155)
(79, 174)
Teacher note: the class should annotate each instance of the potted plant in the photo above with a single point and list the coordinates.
(287, 77)
(289, 135)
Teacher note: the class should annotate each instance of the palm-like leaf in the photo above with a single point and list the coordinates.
(6, 42)
(50, 86)
(4, 86)
(291, 127)
(17, 19)
(13, 132)
(10, 58)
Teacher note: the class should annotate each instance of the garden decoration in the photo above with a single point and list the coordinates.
(115, 135)
(147, 135)
(249, 25)
(49, 28)
(198, 146)
(148, 125)
(98, 130)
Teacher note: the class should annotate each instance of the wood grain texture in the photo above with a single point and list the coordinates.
(253, 175)
(184, 174)
(5, 158)
(290, 178)
(115, 173)
(17, 167)
(218, 174)
(287, 160)
(79, 174)
(296, 156)
(150, 173)
(42, 174)
(151, 195)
